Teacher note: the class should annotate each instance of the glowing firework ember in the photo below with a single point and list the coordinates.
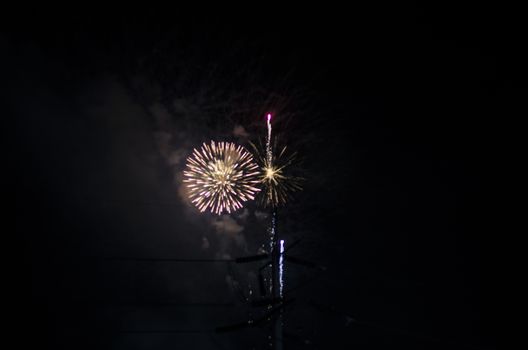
(278, 186)
(221, 177)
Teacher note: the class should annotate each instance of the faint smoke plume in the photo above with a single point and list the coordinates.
(243, 214)
(260, 215)
(229, 231)
(205, 243)
(226, 225)
(239, 131)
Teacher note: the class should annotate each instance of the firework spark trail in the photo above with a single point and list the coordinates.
(281, 268)
(220, 177)
(269, 154)
(272, 232)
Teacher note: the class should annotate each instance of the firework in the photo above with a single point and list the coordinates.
(221, 177)
(277, 185)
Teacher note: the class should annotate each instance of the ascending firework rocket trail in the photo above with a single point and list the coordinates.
(270, 174)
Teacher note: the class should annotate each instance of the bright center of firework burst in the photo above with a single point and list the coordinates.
(270, 172)
(220, 177)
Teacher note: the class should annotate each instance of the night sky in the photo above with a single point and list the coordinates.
(395, 113)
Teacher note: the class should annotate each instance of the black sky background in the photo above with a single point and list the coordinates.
(396, 112)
